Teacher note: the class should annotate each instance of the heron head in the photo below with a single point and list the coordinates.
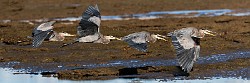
(207, 32)
(66, 34)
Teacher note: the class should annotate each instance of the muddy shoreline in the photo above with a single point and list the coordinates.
(69, 62)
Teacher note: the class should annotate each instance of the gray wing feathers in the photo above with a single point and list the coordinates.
(91, 11)
(97, 8)
(137, 41)
(48, 24)
(89, 25)
(186, 57)
(139, 46)
(41, 32)
(35, 32)
(86, 28)
(38, 38)
(45, 26)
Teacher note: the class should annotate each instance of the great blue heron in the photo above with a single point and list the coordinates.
(88, 29)
(139, 40)
(45, 32)
(186, 42)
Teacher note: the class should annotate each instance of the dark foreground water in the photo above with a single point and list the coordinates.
(6, 76)
(236, 76)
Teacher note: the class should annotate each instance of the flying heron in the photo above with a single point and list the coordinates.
(139, 40)
(88, 28)
(45, 32)
(186, 42)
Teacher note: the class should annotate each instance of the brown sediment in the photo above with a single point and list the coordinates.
(232, 35)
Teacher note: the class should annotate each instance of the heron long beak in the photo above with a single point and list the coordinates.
(51, 23)
(209, 32)
(161, 37)
(67, 34)
(112, 37)
(117, 38)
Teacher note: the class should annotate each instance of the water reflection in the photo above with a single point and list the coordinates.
(154, 15)
(170, 14)
(6, 76)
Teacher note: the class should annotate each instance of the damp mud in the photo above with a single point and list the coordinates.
(225, 55)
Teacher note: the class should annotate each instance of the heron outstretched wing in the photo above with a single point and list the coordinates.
(186, 48)
(139, 46)
(86, 28)
(90, 22)
(137, 41)
(41, 32)
(90, 12)
(43, 27)
(39, 38)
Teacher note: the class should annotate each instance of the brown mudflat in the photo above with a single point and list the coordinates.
(232, 36)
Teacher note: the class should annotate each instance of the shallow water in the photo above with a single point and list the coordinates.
(235, 76)
(151, 15)
(7, 76)
(170, 14)
(173, 62)
(217, 58)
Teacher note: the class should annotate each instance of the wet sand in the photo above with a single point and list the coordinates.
(68, 62)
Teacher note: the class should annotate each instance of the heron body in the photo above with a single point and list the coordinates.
(186, 42)
(88, 29)
(56, 36)
(96, 38)
(139, 40)
(42, 32)
(45, 32)
(104, 39)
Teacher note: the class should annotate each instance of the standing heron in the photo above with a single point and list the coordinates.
(88, 28)
(139, 40)
(186, 42)
(45, 32)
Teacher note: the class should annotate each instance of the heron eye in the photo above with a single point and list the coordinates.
(179, 35)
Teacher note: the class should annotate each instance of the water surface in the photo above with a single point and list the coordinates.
(152, 15)
(234, 76)
(6, 76)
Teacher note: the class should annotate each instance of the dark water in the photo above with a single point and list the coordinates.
(217, 58)
(173, 62)
(236, 76)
